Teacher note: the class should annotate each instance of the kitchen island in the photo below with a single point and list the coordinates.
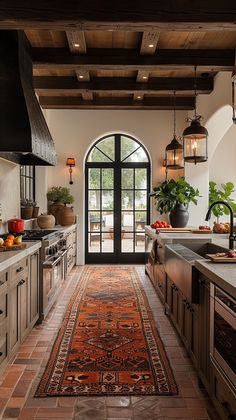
(205, 319)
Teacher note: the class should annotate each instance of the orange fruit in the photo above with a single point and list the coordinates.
(12, 237)
(8, 242)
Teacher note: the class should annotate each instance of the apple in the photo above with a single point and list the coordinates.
(18, 240)
(231, 254)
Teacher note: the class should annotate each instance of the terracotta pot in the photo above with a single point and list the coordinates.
(66, 216)
(46, 221)
(35, 212)
(26, 212)
(54, 209)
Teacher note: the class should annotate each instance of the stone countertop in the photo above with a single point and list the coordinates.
(222, 274)
(170, 237)
(7, 258)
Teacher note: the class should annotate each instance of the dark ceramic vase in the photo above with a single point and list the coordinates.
(179, 216)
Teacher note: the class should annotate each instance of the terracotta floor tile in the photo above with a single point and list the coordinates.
(12, 413)
(21, 388)
(28, 413)
(16, 402)
(191, 403)
(60, 413)
(11, 379)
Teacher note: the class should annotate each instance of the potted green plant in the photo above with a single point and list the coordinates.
(60, 197)
(224, 194)
(173, 197)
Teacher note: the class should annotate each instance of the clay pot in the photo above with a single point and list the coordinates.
(26, 213)
(35, 212)
(66, 216)
(46, 221)
(54, 209)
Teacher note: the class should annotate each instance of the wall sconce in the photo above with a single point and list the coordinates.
(70, 162)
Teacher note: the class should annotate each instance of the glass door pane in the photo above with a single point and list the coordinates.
(101, 210)
(134, 202)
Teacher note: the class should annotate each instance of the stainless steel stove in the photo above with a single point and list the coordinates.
(52, 265)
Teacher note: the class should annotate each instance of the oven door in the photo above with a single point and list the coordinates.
(223, 332)
(53, 274)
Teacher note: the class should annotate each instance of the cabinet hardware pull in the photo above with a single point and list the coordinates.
(18, 270)
(1, 353)
(226, 407)
(1, 312)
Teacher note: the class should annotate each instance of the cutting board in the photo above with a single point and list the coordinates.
(213, 257)
(13, 247)
(173, 230)
(201, 231)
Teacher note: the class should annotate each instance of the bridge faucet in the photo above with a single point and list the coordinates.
(231, 233)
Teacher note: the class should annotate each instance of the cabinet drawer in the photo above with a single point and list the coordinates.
(3, 306)
(19, 268)
(3, 348)
(223, 395)
(3, 279)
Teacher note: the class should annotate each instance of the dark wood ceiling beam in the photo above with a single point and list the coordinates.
(77, 45)
(72, 102)
(76, 42)
(131, 15)
(148, 47)
(124, 85)
(165, 59)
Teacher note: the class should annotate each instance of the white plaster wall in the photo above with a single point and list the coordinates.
(74, 131)
(217, 112)
(223, 163)
(9, 191)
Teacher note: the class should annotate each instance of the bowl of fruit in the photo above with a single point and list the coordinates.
(160, 224)
(11, 243)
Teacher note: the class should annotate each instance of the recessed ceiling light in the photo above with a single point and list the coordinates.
(76, 45)
(144, 77)
(81, 76)
(151, 45)
(138, 97)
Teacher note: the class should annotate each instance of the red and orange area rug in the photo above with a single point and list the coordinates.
(108, 343)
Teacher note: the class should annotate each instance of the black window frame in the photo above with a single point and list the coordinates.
(27, 174)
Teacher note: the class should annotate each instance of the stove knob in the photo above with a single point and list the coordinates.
(50, 251)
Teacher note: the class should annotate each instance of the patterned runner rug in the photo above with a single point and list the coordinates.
(108, 343)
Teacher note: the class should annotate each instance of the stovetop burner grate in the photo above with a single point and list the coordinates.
(36, 234)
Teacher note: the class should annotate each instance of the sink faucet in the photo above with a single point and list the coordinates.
(231, 233)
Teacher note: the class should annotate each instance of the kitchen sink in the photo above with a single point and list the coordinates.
(206, 248)
(180, 265)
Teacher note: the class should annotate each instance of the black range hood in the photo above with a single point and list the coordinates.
(24, 134)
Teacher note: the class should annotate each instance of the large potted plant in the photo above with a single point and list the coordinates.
(56, 197)
(173, 197)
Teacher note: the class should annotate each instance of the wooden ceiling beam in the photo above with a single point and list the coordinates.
(123, 85)
(77, 45)
(111, 59)
(76, 42)
(73, 102)
(131, 15)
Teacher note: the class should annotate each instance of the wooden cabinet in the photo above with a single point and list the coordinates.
(18, 303)
(34, 288)
(185, 318)
(204, 331)
(159, 280)
(71, 245)
(3, 317)
(223, 396)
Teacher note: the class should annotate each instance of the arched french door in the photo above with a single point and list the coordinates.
(117, 183)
